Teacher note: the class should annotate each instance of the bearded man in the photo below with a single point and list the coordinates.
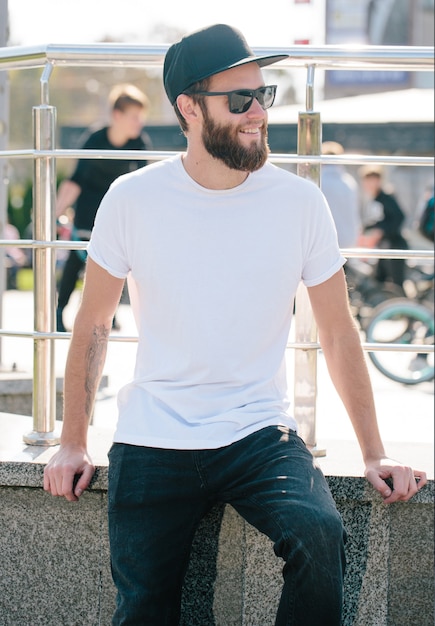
(214, 243)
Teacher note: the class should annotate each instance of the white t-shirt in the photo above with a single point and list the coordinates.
(212, 278)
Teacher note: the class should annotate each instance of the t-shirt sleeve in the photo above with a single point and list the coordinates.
(107, 245)
(322, 257)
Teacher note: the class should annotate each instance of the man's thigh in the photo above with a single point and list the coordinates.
(155, 506)
(277, 486)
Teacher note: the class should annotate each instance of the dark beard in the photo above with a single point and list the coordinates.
(219, 141)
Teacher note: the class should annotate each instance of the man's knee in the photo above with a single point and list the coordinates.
(319, 532)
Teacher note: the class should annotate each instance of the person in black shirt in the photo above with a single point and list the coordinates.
(91, 179)
(383, 221)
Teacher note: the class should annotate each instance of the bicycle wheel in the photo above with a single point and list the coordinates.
(402, 321)
(374, 296)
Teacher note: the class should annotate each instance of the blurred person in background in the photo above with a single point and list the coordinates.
(342, 194)
(382, 224)
(15, 258)
(426, 218)
(91, 179)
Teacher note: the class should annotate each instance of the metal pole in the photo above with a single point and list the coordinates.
(4, 134)
(44, 229)
(305, 383)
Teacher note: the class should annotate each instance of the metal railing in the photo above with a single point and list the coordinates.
(308, 160)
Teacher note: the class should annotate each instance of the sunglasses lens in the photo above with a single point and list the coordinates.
(240, 101)
(266, 96)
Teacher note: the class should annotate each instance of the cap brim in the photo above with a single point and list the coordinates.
(262, 62)
(271, 58)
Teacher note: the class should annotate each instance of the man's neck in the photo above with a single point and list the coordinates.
(116, 137)
(210, 172)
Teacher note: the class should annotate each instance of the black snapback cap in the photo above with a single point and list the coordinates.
(206, 52)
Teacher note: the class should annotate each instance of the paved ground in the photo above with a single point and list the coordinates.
(406, 414)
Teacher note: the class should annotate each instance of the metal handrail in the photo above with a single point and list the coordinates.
(157, 155)
(377, 253)
(327, 57)
(295, 345)
(308, 159)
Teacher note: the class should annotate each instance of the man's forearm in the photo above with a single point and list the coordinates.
(67, 194)
(84, 367)
(348, 370)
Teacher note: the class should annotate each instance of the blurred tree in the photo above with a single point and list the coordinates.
(20, 206)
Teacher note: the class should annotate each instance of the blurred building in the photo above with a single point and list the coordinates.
(377, 23)
(362, 22)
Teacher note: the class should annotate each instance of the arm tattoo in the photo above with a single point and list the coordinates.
(94, 363)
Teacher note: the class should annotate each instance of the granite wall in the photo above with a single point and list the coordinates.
(54, 559)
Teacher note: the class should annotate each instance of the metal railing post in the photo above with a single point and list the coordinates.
(44, 229)
(4, 165)
(305, 380)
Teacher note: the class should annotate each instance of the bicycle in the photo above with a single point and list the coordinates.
(403, 322)
(365, 292)
(419, 283)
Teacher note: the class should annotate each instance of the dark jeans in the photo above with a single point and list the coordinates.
(157, 498)
(391, 270)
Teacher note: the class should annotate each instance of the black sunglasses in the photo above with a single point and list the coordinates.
(240, 100)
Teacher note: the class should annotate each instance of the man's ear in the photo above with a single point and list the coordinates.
(187, 107)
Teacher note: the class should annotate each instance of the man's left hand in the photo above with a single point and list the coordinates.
(394, 481)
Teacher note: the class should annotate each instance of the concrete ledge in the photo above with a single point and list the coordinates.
(16, 393)
(54, 556)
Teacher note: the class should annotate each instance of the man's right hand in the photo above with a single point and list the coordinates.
(69, 472)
